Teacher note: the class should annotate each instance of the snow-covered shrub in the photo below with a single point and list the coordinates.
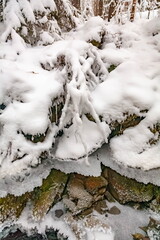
(37, 21)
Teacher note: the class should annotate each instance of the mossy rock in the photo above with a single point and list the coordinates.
(111, 68)
(94, 184)
(118, 128)
(83, 192)
(49, 193)
(98, 43)
(77, 199)
(127, 190)
(155, 204)
(11, 206)
(35, 138)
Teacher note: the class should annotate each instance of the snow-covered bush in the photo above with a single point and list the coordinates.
(39, 22)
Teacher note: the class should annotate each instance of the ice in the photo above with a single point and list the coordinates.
(92, 169)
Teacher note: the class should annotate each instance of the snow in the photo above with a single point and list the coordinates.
(27, 101)
(91, 30)
(73, 72)
(109, 227)
(128, 222)
(128, 89)
(131, 88)
(99, 235)
(104, 155)
(91, 136)
(33, 78)
(27, 223)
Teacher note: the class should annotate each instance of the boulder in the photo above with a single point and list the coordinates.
(49, 193)
(129, 190)
(11, 206)
(83, 192)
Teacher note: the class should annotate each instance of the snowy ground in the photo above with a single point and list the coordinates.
(110, 227)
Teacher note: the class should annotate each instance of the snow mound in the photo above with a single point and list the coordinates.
(60, 101)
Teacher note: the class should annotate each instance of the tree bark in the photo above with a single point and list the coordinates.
(111, 11)
(64, 19)
(98, 7)
(1, 10)
(133, 9)
(76, 3)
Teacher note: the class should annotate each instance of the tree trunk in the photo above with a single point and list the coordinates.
(98, 7)
(111, 11)
(64, 18)
(76, 3)
(1, 10)
(133, 9)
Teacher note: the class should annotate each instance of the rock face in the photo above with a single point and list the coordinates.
(12, 206)
(83, 192)
(42, 198)
(82, 195)
(49, 193)
(129, 190)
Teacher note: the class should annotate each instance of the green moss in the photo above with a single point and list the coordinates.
(12, 206)
(129, 190)
(90, 118)
(119, 127)
(111, 68)
(49, 193)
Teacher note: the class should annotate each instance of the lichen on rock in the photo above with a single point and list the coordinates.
(11, 206)
(49, 193)
(129, 190)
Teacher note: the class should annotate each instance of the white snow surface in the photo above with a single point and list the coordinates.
(31, 80)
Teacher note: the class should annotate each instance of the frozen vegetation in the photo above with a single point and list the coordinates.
(68, 97)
